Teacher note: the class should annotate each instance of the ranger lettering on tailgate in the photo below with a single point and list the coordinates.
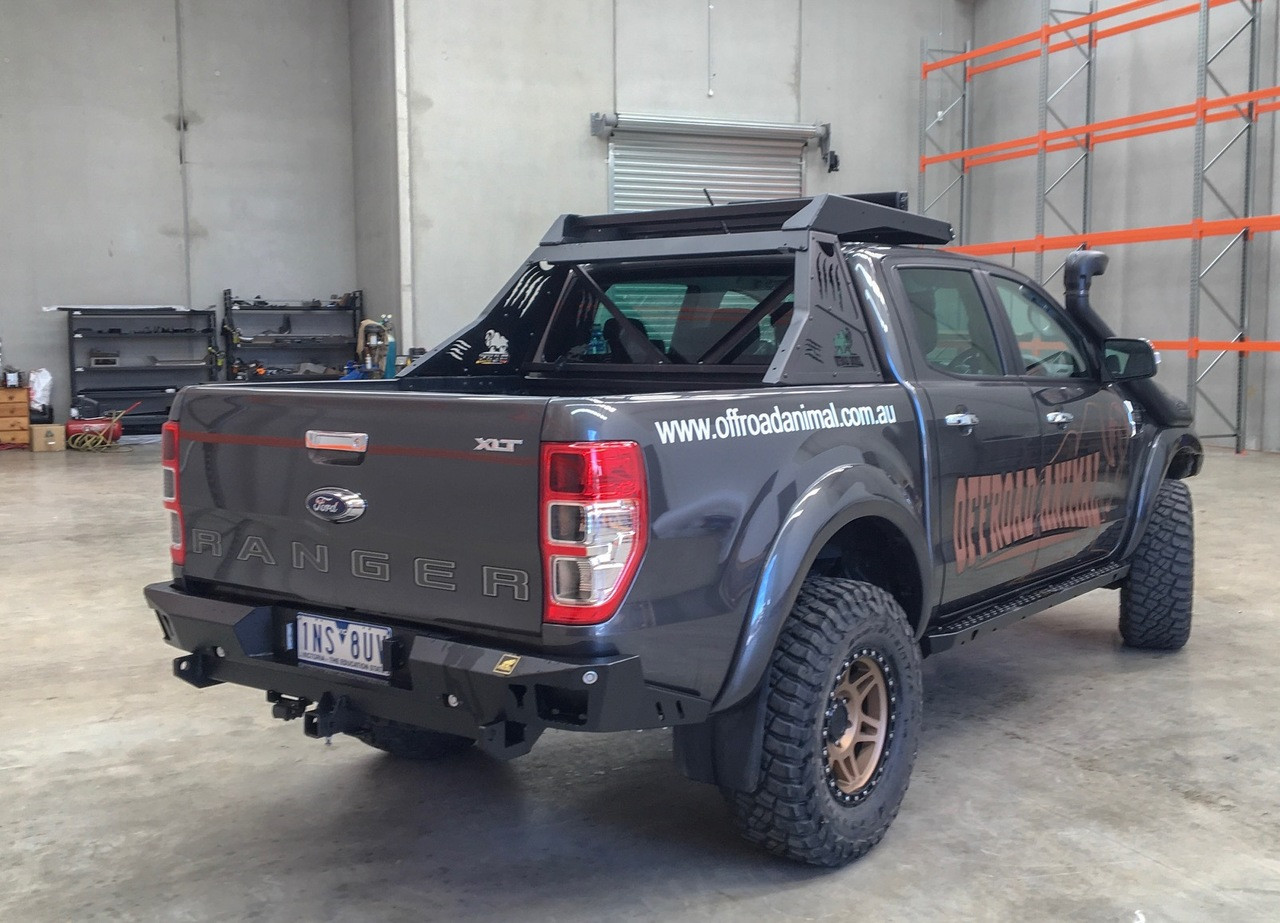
(430, 573)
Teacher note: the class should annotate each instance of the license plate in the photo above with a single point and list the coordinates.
(341, 645)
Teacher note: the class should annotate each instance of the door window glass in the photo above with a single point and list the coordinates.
(951, 324)
(1048, 348)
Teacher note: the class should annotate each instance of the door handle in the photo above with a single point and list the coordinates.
(1058, 417)
(962, 419)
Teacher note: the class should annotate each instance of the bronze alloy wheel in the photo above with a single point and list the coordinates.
(841, 722)
(858, 726)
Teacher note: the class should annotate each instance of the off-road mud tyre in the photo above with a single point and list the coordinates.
(804, 808)
(1155, 598)
(411, 743)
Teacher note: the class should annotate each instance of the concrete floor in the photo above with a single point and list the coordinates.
(1060, 776)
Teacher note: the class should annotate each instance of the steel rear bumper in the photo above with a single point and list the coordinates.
(439, 684)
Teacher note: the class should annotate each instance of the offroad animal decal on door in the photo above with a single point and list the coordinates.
(1003, 515)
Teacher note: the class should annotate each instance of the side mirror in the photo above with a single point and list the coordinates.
(1128, 359)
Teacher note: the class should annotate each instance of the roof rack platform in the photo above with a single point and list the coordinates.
(878, 218)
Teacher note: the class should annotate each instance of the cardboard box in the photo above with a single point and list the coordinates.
(48, 437)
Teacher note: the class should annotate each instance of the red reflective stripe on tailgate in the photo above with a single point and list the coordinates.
(275, 442)
(281, 442)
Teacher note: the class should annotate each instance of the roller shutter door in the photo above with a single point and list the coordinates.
(661, 170)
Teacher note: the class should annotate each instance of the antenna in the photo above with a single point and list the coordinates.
(724, 226)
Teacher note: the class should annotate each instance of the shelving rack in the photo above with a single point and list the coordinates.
(1219, 283)
(120, 356)
(290, 340)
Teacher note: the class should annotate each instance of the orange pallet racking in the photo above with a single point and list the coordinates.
(1081, 31)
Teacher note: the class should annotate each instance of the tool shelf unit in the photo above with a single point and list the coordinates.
(290, 340)
(120, 356)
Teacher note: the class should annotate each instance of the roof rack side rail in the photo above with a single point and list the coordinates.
(877, 217)
(898, 200)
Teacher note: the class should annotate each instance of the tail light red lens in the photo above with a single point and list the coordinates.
(594, 527)
(170, 439)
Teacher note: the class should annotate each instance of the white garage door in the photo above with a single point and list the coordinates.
(661, 170)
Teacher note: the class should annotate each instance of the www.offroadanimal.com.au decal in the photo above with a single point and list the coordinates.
(734, 424)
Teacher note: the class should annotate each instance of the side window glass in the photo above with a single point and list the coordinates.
(1048, 348)
(951, 324)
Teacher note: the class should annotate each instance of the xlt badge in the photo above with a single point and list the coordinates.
(333, 504)
(496, 445)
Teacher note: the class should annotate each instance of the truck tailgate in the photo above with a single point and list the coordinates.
(443, 477)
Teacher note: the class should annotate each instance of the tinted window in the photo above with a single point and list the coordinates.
(682, 314)
(656, 304)
(951, 324)
(1047, 347)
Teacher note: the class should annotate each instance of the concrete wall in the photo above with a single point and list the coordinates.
(499, 98)
(734, 59)
(501, 90)
(377, 188)
(268, 96)
(89, 177)
(860, 71)
(1141, 182)
(90, 180)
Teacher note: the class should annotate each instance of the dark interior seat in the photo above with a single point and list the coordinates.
(618, 350)
(698, 330)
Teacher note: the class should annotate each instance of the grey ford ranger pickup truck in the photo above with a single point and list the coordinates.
(731, 470)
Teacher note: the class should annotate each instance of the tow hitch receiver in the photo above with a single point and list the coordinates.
(332, 716)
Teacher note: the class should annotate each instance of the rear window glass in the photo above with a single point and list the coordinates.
(677, 315)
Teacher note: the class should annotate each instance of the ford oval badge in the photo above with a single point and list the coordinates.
(333, 504)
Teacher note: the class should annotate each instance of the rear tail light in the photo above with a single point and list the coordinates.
(170, 436)
(594, 527)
